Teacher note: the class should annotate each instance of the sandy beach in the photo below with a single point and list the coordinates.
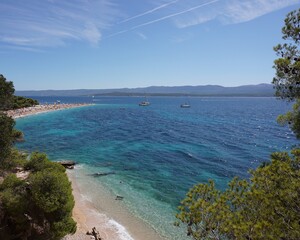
(110, 218)
(87, 217)
(23, 112)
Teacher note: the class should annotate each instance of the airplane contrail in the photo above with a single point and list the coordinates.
(174, 14)
(149, 11)
(163, 18)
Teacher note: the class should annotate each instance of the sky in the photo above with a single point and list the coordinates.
(100, 44)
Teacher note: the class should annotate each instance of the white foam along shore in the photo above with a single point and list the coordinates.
(109, 217)
(24, 112)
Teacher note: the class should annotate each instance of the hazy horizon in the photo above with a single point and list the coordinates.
(204, 85)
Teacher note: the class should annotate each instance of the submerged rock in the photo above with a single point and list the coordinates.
(100, 174)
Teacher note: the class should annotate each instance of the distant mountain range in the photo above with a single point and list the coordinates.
(260, 90)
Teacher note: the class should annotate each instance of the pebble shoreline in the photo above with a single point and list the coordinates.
(23, 112)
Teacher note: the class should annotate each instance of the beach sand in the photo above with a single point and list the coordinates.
(87, 217)
(111, 219)
(24, 112)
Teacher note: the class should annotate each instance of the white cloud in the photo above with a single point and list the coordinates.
(92, 33)
(242, 11)
(43, 23)
(232, 11)
(52, 23)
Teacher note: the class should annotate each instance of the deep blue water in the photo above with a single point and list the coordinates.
(162, 150)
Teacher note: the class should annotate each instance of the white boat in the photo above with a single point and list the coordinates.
(185, 105)
(144, 103)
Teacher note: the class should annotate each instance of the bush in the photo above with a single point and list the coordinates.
(22, 102)
(51, 190)
(39, 162)
(11, 181)
(40, 206)
(6, 127)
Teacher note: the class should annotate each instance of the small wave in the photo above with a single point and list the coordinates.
(121, 230)
(79, 166)
(85, 198)
(185, 153)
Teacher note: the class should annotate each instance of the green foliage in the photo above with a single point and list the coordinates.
(6, 127)
(44, 198)
(7, 98)
(11, 195)
(6, 93)
(287, 66)
(51, 193)
(39, 162)
(22, 102)
(16, 159)
(50, 190)
(17, 135)
(11, 181)
(267, 207)
(63, 227)
(292, 119)
(14, 203)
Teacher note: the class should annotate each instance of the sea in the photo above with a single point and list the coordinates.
(153, 155)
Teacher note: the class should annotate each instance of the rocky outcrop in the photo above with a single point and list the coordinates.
(67, 164)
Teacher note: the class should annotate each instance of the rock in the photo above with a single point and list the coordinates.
(67, 164)
(119, 197)
(94, 233)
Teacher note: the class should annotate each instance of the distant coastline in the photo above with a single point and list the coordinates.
(260, 90)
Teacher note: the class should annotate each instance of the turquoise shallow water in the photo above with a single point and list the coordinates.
(158, 152)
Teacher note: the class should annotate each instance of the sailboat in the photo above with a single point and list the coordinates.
(144, 103)
(185, 105)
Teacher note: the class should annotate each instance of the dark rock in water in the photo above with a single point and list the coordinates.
(119, 197)
(102, 174)
(129, 168)
(67, 164)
